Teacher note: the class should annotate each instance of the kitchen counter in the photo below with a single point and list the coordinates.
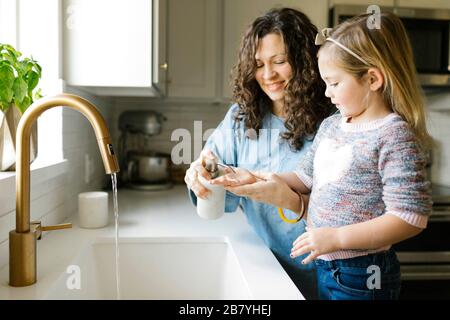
(159, 214)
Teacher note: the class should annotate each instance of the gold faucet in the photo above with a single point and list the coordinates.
(22, 240)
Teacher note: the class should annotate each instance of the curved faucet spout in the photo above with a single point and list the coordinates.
(22, 233)
(23, 147)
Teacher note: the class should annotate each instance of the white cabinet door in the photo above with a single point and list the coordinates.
(194, 43)
(108, 46)
(159, 43)
(239, 14)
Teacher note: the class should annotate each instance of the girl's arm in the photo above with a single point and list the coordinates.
(376, 233)
(373, 234)
(294, 182)
(293, 203)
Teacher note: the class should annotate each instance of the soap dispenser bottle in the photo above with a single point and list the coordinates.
(214, 206)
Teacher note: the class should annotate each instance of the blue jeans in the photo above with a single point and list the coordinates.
(372, 277)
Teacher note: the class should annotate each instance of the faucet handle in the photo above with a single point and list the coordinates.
(38, 227)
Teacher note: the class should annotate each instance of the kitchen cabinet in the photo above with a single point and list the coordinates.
(389, 3)
(239, 14)
(194, 48)
(433, 4)
(115, 47)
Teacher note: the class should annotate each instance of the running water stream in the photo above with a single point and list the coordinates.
(116, 219)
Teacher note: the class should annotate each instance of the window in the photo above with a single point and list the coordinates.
(8, 22)
(33, 28)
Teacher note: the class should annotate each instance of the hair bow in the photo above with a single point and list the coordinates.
(322, 36)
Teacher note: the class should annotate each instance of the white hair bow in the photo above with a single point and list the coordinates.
(322, 36)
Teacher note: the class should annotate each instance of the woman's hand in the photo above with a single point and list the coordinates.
(259, 186)
(316, 241)
(198, 168)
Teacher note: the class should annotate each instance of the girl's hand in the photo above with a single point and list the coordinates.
(238, 177)
(317, 241)
(198, 168)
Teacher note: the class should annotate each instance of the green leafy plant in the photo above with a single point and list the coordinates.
(18, 79)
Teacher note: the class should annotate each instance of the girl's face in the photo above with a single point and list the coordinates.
(273, 70)
(345, 91)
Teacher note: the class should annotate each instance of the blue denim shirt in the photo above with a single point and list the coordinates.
(270, 153)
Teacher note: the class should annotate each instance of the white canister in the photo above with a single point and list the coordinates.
(214, 206)
(93, 209)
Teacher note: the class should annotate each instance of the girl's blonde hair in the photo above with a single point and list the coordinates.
(388, 49)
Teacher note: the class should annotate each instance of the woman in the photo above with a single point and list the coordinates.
(279, 104)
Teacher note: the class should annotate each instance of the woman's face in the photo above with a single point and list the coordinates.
(273, 70)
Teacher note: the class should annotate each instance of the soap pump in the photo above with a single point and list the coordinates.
(212, 167)
(214, 206)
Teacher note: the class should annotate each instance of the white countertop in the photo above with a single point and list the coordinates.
(159, 214)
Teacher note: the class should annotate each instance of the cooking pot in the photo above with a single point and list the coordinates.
(148, 167)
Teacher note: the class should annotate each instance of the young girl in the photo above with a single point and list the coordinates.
(365, 169)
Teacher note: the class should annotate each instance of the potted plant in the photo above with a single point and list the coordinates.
(19, 78)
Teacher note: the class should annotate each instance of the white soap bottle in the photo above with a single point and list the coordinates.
(214, 206)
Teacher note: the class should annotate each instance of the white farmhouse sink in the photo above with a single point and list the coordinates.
(156, 268)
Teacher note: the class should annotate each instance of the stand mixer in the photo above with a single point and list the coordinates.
(144, 169)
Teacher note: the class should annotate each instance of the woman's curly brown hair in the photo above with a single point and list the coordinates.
(305, 102)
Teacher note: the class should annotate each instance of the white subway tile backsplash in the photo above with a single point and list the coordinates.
(39, 186)
(4, 254)
(7, 223)
(56, 216)
(76, 140)
(47, 203)
(75, 124)
(7, 195)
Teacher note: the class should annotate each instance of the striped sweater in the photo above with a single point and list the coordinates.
(360, 171)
